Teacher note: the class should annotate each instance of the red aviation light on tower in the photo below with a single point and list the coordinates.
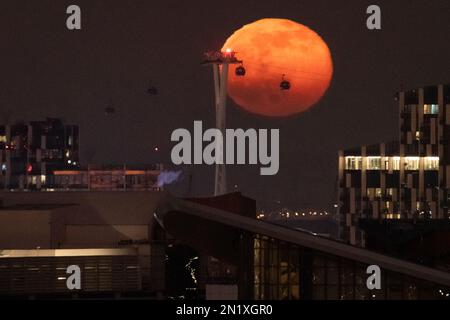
(229, 54)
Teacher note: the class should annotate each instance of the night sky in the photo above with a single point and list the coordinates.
(126, 46)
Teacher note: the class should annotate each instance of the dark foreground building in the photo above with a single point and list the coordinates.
(279, 263)
(127, 244)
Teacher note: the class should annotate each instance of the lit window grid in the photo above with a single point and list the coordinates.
(384, 163)
(329, 277)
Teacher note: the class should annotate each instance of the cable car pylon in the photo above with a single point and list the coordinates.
(220, 61)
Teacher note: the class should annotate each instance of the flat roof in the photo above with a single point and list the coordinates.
(34, 207)
(67, 252)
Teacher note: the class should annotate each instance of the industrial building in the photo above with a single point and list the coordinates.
(109, 233)
(106, 177)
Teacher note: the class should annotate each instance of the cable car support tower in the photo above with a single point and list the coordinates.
(220, 62)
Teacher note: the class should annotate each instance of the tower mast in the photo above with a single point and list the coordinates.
(220, 62)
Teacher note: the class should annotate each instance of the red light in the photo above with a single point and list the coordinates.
(228, 53)
(29, 168)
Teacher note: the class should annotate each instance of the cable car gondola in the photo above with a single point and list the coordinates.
(285, 85)
(240, 71)
(109, 111)
(152, 90)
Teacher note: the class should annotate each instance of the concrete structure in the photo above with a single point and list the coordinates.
(405, 179)
(58, 221)
(43, 272)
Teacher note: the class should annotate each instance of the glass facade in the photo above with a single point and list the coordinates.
(285, 271)
(412, 163)
(431, 109)
(377, 163)
(431, 163)
(353, 163)
(373, 163)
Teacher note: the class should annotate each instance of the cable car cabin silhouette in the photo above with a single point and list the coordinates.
(285, 85)
(240, 71)
(109, 110)
(152, 90)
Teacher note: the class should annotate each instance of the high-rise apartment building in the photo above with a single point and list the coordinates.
(43, 156)
(31, 151)
(405, 179)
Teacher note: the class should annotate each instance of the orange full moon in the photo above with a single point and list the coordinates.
(269, 49)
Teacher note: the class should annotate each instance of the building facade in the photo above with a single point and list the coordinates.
(44, 156)
(110, 235)
(405, 179)
(107, 178)
(29, 152)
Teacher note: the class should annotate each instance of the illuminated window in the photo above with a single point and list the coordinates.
(393, 216)
(353, 163)
(378, 192)
(431, 163)
(417, 135)
(386, 163)
(3, 139)
(373, 163)
(390, 191)
(412, 163)
(396, 163)
(431, 109)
